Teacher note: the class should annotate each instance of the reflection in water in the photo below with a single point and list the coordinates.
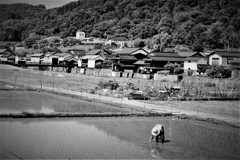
(101, 138)
(30, 101)
(62, 139)
(156, 149)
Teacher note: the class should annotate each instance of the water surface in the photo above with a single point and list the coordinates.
(115, 138)
(32, 101)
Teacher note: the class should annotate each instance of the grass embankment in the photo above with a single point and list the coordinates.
(69, 115)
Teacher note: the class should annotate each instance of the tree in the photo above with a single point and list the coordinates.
(174, 68)
(139, 43)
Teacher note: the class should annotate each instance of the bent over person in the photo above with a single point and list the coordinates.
(158, 133)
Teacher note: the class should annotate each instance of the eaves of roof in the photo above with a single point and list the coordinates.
(170, 59)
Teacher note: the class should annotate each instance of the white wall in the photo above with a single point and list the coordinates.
(3, 59)
(192, 65)
(47, 60)
(79, 63)
(215, 56)
(91, 63)
(80, 35)
(35, 59)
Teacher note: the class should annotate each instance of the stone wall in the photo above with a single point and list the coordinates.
(141, 76)
(59, 69)
(97, 72)
(169, 78)
(115, 74)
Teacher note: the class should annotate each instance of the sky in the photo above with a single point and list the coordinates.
(48, 3)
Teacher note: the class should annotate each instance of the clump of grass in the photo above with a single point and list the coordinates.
(112, 85)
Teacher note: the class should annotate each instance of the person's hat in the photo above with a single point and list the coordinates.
(155, 131)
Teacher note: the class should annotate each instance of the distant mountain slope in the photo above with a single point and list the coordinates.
(209, 23)
(19, 11)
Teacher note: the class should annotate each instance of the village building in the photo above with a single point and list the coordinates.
(122, 62)
(223, 58)
(192, 60)
(80, 35)
(126, 58)
(7, 56)
(63, 59)
(193, 63)
(90, 61)
(20, 58)
(157, 60)
(36, 58)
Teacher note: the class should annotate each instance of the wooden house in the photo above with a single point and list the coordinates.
(223, 58)
(7, 56)
(157, 60)
(126, 59)
(90, 61)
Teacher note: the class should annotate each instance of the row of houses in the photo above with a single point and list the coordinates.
(12, 57)
(139, 60)
(125, 59)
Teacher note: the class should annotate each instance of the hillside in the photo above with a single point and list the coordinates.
(208, 24)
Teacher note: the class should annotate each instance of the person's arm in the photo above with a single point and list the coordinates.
(151, 138)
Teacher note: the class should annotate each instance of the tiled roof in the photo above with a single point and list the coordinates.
(140, 62)
(164, 54)
(125, 57)
(92, 57)
(37, 55)
(227, 54)
(61, 54)
(12, 57)
(193, 58)
(127, 50)
(186, 54)
(7, 54)
(21, 51)
(93, 52)
(71, 58)
(2, 50)
(170, 59)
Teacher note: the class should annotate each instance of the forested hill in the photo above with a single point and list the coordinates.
(198, 23)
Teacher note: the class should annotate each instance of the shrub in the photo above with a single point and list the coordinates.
(190, 72)
(178, 70)
(110, 84)
(218, 72)
(172, 67)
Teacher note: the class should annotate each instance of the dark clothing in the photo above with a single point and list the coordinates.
(160, 136)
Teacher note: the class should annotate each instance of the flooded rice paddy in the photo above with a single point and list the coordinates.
(115, 138)
(40, 102)
(104, 138)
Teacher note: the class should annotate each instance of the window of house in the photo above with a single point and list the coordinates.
(215, 61)
(229, 61)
